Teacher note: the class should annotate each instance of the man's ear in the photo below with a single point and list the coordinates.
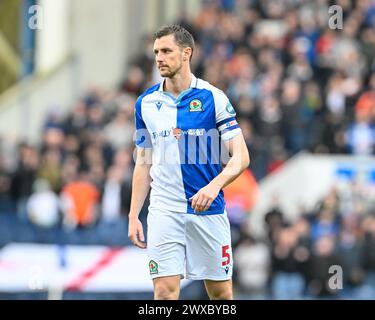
(187, 53)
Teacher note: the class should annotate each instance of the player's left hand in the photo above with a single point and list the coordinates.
(203, 199)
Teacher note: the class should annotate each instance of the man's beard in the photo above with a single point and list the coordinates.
(171, 73)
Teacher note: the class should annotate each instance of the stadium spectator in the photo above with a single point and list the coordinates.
(80, 202)
(252, 260)
(24, 177)
(43, 205)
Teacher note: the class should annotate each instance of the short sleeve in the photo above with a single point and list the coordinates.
(226, 122)
(142, 135)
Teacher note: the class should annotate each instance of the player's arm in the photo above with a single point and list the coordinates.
(237, 163)
(140, 188)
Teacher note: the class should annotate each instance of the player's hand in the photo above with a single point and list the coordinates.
(203, 199)
(135, 233)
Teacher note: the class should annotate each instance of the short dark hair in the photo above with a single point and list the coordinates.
(183, 38)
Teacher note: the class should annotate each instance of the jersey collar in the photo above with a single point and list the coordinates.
(193, 84)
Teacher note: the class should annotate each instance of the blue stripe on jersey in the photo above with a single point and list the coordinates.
(195, 174)
(220, 123)
(143, 138)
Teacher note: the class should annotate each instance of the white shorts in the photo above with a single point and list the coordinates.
(196, 246)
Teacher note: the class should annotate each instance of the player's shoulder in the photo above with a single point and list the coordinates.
(147, 92)
(202, 84)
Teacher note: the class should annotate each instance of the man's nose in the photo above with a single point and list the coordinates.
(159, 57)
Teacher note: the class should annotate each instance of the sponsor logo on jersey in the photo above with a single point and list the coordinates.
(177, 133)
(163, 134)
(158, 104)
(230, 109)
(196, 132)
(153, 266)
(196, 106)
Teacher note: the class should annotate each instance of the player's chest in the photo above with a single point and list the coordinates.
(163, 112)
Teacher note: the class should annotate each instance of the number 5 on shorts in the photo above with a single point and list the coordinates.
(225, 255)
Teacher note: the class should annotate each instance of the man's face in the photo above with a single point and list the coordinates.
(168, 56)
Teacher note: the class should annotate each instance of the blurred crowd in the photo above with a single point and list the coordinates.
(326, 253)
(78, 178)
(296, 85)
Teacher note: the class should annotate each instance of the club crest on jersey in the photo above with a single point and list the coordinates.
(196, 106)
(153, 266)
(177, 133)
(230, 109)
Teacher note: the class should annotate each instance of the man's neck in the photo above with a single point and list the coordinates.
(178, 83)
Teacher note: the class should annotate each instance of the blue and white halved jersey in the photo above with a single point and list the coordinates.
(185, 135)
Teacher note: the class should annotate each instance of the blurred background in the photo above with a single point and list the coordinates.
(302, 79)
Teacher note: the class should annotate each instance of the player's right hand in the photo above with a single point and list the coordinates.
(135, 233)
